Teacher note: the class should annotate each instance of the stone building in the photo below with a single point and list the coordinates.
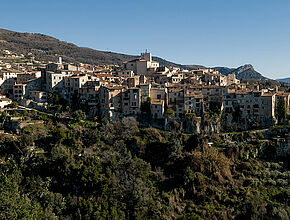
(140, 66)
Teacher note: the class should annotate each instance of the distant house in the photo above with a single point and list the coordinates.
(193, 103)
(157, 109)
(110, 101)
(131, 101)
(125, 73)
(4, 101)
(19, 91)
(140, 66)
(38, 96)
(24, 77)
(250, 107)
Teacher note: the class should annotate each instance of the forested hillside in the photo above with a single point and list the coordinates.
(60, 168)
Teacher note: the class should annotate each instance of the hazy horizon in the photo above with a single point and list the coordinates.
(208, 33)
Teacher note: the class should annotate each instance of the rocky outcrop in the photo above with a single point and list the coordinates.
(211, 124)
(192, 125)
(246, 71)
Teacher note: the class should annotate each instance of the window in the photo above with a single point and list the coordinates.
(158, 96)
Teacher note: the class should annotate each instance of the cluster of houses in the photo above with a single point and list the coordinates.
(119, 91)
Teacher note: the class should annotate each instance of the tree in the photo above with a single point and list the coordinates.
(13, 203)
(215, 107)
(12, 105)
(281, 110)
(26, 140)
(79, 115)
(53, 98)
(170, 112)
(145, 106)
(237, 114)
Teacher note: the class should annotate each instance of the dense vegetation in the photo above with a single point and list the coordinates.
(55, 168)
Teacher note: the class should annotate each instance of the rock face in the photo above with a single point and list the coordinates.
(241, 69)
(281, 138)
(192, 125)
(282, 147)
(211, 125)
(246, 71)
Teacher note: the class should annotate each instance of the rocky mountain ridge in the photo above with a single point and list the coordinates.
(246, 71)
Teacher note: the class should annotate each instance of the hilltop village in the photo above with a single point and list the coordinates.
(162, 96)
(140, 141)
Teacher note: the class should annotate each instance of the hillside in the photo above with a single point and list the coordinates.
(285, 80)
(224, 70)
(47, 48)
(243, 72)
(73, 169)
(247, 72)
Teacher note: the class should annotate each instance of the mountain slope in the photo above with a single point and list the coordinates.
(47, 48)
(224, 70)
(285, 80)
(247, 72)
(243, 72)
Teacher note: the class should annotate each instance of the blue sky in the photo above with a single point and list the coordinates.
(207, 32)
